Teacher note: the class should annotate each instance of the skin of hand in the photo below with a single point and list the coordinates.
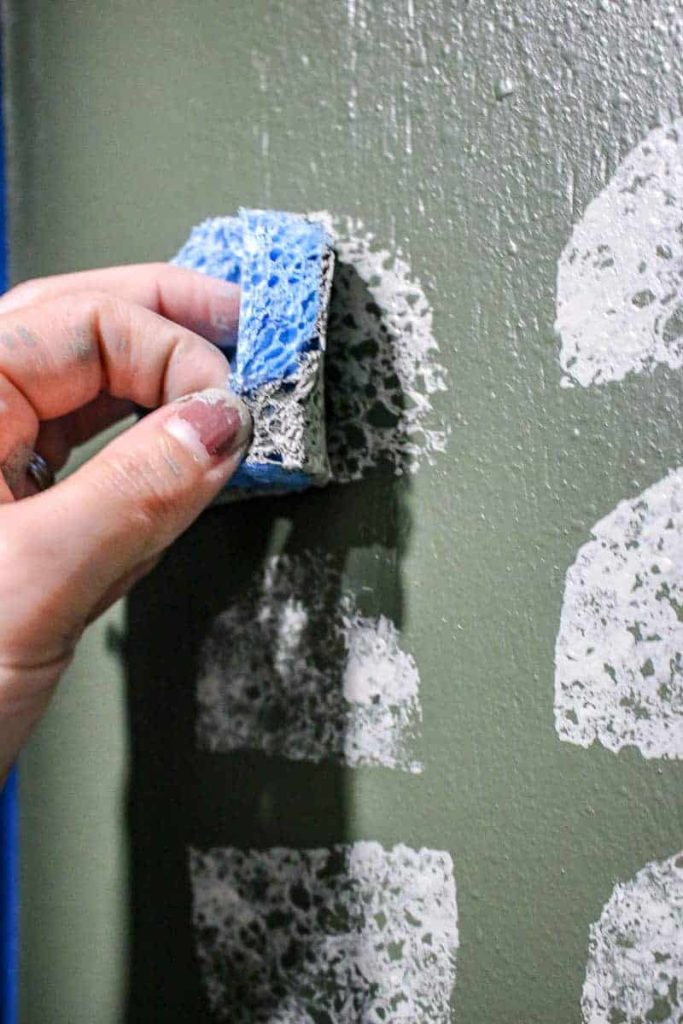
(77, 353)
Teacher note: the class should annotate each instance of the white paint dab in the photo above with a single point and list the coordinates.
(635, 966)
(382, 365)
(619, 652)
(619, 281)
(292, 668)
(354, 934)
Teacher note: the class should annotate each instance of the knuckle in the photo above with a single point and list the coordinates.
(191, 351)
(32, 290)
(103, 317)
(31, 284)
(160, 269)
(184, 344)
(94, 304)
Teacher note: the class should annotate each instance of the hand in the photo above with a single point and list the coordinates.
(76, 352)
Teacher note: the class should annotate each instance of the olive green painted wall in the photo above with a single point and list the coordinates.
(128, 123)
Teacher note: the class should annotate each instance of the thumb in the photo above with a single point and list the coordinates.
(75, 545)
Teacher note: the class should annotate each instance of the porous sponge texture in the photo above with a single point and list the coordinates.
(214, 248)
(280, 301)
(283, 263)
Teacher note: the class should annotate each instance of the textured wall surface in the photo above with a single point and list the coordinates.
(498, 154)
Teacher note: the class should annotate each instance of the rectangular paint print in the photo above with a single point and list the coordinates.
(293, 669)
(351, 934)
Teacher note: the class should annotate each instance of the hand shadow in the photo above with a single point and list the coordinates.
(245, 793)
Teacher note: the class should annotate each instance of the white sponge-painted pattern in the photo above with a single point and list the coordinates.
(352, 934)
(635, 966)
(619, 652)
(293, 668)
(383, 364)
(620, 277)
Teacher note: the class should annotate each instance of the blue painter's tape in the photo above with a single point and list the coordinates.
(283, 264)
(9, 797)
(9, 899)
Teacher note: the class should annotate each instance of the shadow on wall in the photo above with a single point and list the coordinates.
(219, 778)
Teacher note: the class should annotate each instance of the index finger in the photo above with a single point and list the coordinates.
(57, 356)
(203, 304)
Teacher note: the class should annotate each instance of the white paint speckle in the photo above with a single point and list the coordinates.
(382, 365)
(619, 652)
(635, 967)
(619, 282)
(504, 87)
(293, 668)
(353, 934)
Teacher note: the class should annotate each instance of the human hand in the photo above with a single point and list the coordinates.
(76, 352)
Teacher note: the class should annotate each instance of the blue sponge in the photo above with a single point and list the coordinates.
(283, 263)
(214, 248)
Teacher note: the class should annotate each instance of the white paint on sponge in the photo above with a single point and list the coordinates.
(620, 277)
(635, 965)
(293, 668)
(355, 933)
(619, 652)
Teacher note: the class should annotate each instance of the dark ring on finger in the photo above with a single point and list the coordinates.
(40, 472)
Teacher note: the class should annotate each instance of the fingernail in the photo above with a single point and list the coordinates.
(213, 424)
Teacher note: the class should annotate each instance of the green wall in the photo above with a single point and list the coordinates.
(130, 122)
